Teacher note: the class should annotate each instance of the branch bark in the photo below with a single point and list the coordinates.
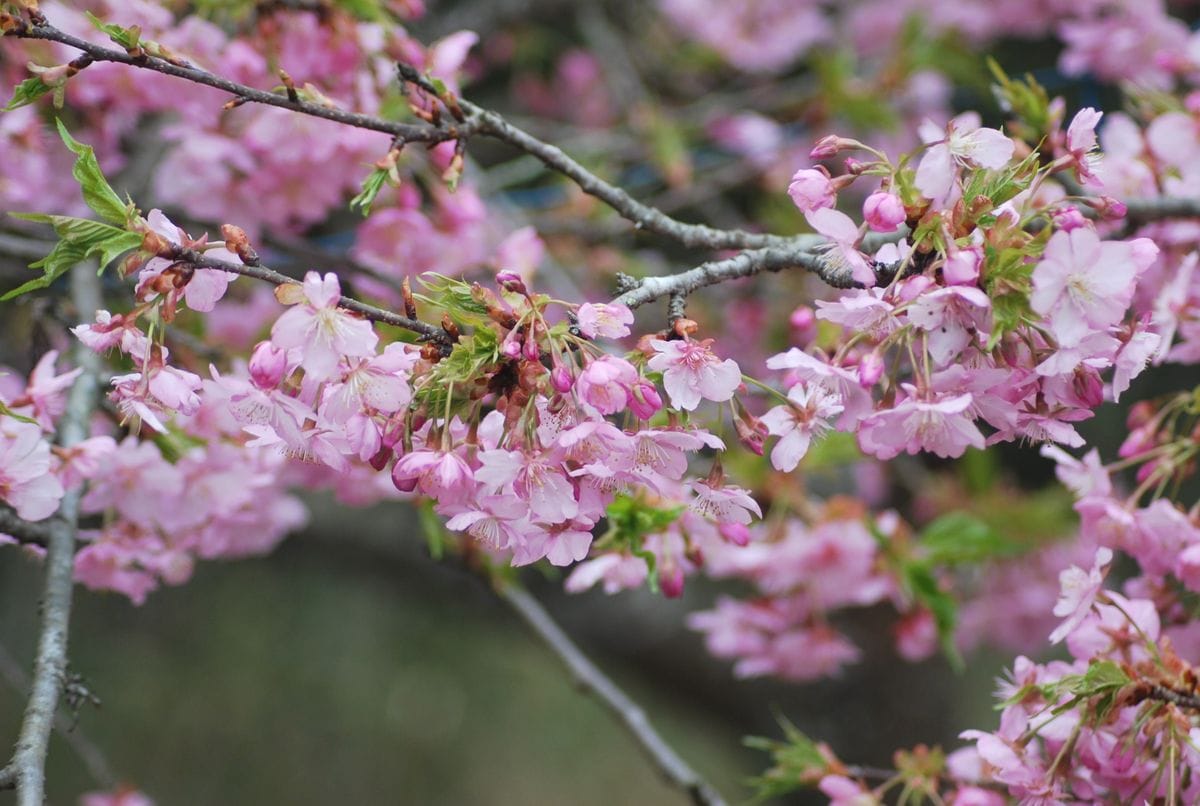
(592, 680)
(26, 532)
(27, 770)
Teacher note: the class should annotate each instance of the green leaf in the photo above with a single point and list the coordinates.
(958, 538)
(128, 38)
(796, 763)
(923, 586)
(97, 192)
(79, 239)
(370, 189)
(27, 92)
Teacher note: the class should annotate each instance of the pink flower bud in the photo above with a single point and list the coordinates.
(1068, 218)
(870, 369)
(750, 437)
(533, 351)
(826, 147)
(884, 212)
(404, 483)
(644, 400)
(803, 319)
(268, 364)
(511, 281)
(670, 580)
(561, 380)
(854, 167)
(736, 533)
(1111, 209)
(511, 346)
(962, 267)
(811, 189)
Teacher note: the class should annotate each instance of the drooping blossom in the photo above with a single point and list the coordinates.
(796, 424)
(607, 384)
(692, 372)
(1079, 591)
(942, 426)
(322, 332)
(26, 481)
(599, 320)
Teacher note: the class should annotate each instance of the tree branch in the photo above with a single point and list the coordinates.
(88, 752)
(742, 265)
(591, 680)
(26, 532)
(1141, 211)
(412, 133)
(199, 260)
(27, 770)
(477, 121)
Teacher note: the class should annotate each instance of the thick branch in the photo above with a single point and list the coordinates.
(591, 680)
(28, 766)
(1157, 208)
(1179, 698)
(198, 259)
(742, 265)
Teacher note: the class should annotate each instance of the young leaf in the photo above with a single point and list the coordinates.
(27, 92)
(370, 189)
(79, 239)
(97, 192)
(127, 38)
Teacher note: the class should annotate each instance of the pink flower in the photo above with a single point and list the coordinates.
(844, 791)
(379, 383)
(1081, 144)
(445, 477)
(206, 286)
(962, 144)
(521, 252)
(1083, 284)
(607, 383)
(797, 424)
(884, 212)
(322, 332)
(724, 504)
(962, 266)
(811, 190)
(943, 426)
(111, 331)
(842, 250)
(494, 520)
(26, 483)
(951, 316)
(1079, 591)
(692, 372)
(539, 480)
(268, 364)
(46, 391)
(604, 320)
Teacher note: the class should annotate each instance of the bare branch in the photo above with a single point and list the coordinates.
(742, 265)
(591, 680)
(1141, 211)
(28, 766)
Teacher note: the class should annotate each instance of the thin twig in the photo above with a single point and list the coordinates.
(409, 132)
(1179, 698)
(590, 679)
(28, 764)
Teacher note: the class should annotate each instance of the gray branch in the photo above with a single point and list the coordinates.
(745, 264)
(25, 532)
(27, 770)
(591, 680)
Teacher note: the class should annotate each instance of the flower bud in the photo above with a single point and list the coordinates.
(670, 580)
(811, 189)
(511, 281)
(870, 369)
(532, 350)
(238, 242)
(736, 533)
(884, 212)
(644, 400)
(962, 267)
(748, 435)
(268, 365)
(560, 379)
(1111, 209)
(511, 346)
(826, 147)
(1068, 218)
